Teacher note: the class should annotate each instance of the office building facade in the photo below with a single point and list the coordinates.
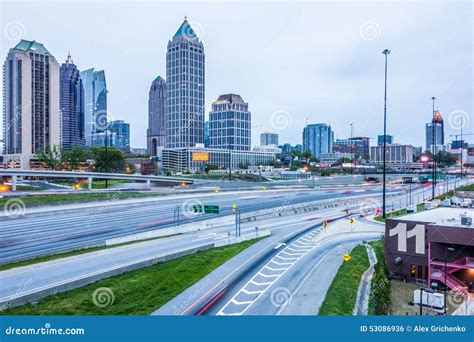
(230, 123)
(185, 88)
(31, 113)
(390, 140)
(156, 133)
(184, 159)
(396, 155)
(95, 103)
(268, 138)
(122, 131)
(71, 105)
(317, 139)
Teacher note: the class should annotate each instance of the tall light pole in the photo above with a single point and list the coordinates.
(462, 146)
(433, 138)
(386, 52)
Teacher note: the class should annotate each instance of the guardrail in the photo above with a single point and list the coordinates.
(15, 173)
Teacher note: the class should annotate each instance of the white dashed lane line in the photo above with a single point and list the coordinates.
(269, 274)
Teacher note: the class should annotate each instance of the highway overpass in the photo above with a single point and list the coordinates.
(15, 173)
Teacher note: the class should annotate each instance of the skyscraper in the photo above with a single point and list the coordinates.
(72, 106)
(436, 126)
(185, 89)
(156, 133)
(95, 103)
(122, 131)
(230, 123)
(31, 116)
(389, 140)
(317, 139)
(268, 138)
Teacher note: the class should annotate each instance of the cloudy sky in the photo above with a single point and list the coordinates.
(320, 61)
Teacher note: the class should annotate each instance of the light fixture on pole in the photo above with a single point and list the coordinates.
(386, 52)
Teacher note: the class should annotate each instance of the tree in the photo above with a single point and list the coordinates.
(75, 157)
(52, 156)
(108, 160)
(445, 158)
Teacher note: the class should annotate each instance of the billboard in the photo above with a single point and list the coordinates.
(200, 156)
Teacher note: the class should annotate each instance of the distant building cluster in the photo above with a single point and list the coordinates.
(47, 104)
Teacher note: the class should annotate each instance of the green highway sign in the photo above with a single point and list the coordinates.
(211, 209)
(198, 208)
(207, 209)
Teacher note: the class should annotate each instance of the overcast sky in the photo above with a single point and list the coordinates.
(290, 61)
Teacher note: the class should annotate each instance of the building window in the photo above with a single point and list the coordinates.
(413, 271)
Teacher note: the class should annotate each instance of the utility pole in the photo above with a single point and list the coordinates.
(386, 52)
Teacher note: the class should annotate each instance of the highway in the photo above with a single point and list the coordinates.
(68, 227)
(43, 233)
(288, 273)
(35, 278)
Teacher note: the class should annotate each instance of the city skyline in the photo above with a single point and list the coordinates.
(334, 101)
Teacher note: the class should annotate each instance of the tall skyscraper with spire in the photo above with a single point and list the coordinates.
(156, 133)
(185, 88)
(71, 102)
(31, 116)
(435, 132)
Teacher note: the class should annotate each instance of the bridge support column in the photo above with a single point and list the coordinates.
(148, 183)
(14, 180)
(89, 183)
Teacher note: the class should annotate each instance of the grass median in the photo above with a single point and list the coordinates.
(68, 198)
(138, 292)
(379, 301)
(341, 296)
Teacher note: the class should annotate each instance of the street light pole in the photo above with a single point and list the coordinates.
(386, 52)
(433, 139)
(462, 145)
(106, 157)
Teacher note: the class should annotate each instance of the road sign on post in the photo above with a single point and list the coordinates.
(346, 257)
(211, 209)
(325, 224)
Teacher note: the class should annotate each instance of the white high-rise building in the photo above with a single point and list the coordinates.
(230, 123)
(185, 89)
(31, 115)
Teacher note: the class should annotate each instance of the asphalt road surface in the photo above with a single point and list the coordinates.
(43, 233)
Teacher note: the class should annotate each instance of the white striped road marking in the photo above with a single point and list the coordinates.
(267, 275)
(301, 252)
